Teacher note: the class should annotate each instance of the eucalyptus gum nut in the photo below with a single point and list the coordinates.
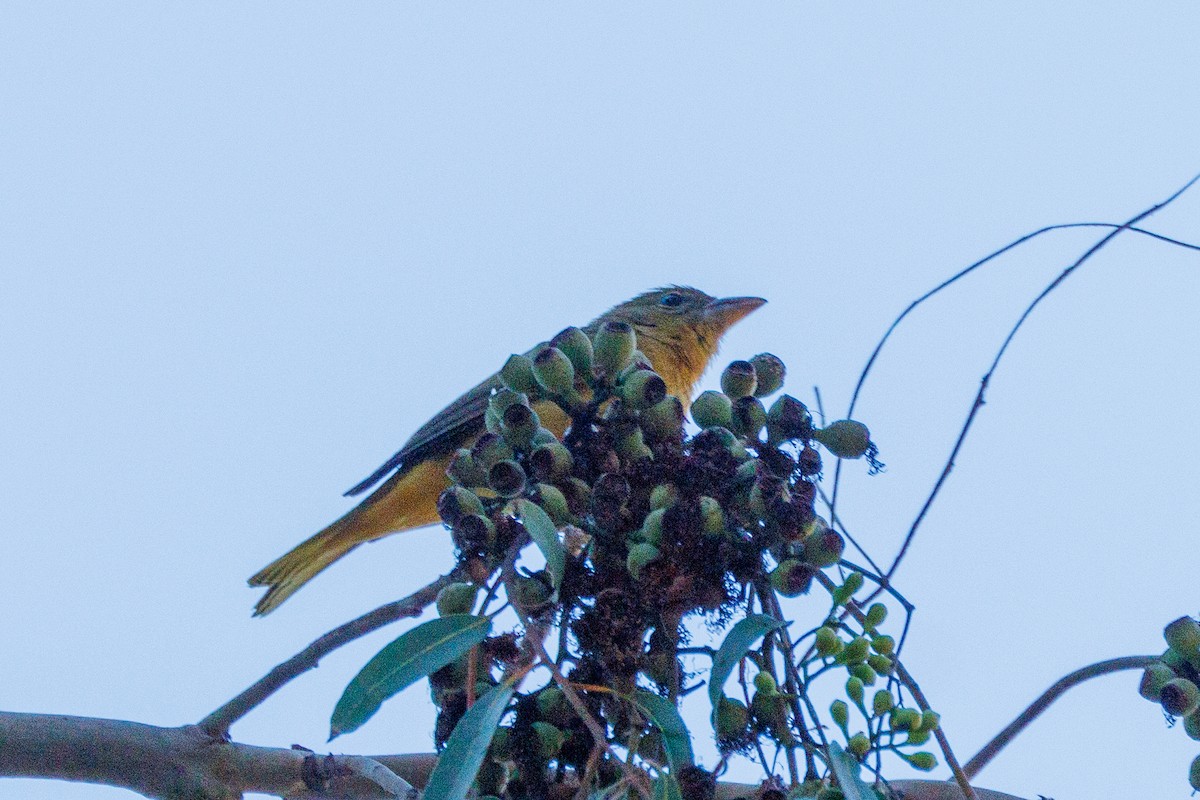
(1194, 774)
(553, 706)
(881, 664)
(664, 495)
(930, 720)
(828, 642)
(854, 689)
(738, 379)
(643, 388)
(518, 425)
(1174, 659)
(651, 530)
(650, 746)
(712, 517)
(856, 651)
(528, 593)
(712, 409)
(883, 644)
(491, 420)
(859, 745)
(791, 578)
(843, 593)
(639, 556)
(554, 371)
(840, 713)
(923, 760)
(507, 478)
(464, 471)
(490, 448)
(788, 418)
(543, 436)
(550, 739)
(903, 719)
(917, 737)
(1154, 678)
(504, 397)
(864, 673)
(491, 778)
(611, 487)
(517, 374)
(554, 503)
(551, 461)
(733, 718)
(876, 614)
(456, 501)
(748, 417)
(457, 598)
(1183, 636)
(578, 494)
(845, 438)
(765, 682)
(499, 748)
(824, 549)
(577, 347)
(1179, 697)
(473, 530)
(664, 419)
(1191, 725)
(882, 702)
(633, 447)
(612, 348)
(769, 372)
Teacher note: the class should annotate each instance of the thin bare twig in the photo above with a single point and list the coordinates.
(1035, 709)
(218, 723)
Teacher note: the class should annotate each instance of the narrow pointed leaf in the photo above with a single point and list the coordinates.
(846, 768)
(459, 762)
(545, 536)
(738, 641)
(677, 741)
(425, 649)
(667, 788)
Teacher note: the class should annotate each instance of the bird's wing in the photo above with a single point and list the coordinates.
(448, 430)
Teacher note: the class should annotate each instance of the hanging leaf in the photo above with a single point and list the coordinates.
(666, 787)
(425, 649)
(738, 641)
(459, 762)
(665, 716)
(846, 768)
(545, 536)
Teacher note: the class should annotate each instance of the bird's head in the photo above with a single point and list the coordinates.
(679, 329)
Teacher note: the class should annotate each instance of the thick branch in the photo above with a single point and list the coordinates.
(218, 722)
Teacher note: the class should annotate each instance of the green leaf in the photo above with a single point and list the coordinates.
(425, 649)
(846, 768)
(545, 536)
(665, 716)
(459, 762)
(667, 788)
(737, 643)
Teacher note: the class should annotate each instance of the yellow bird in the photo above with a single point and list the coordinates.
(678, 329)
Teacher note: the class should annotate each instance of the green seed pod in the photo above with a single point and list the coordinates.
(864, 673)
(1191, 725)
(1183, 636)
(840, 713)
(530, 593)
(488, 449)
(456, 598)
(541, 437)
(828, 642)
(553, 706)
(881, 664)
(845, 438)
(917, 737)
(830, 793)
(554, 371)
(1174, 659)
(824, 549)
(506, 478)
(491, 779)
(491, 420)
(664, 495)
(842, 594)
(922, 760)
(664, 420)
(765, 682)
(876, 614)
(613, 348)
(769, 373)
(578, 494)
(882, 702)
(732, 718)
(788, 419)
(859, 744)
(517, 374)
(651, 530)
(632, 446)
(504, 397)
(650, 746)
(1179, 697)
(738, 379)
(642, 389)
(770, 710)
(856, 651)
(464, 471)
(746, 474)
(748, 417)
(883, 644)
(930, 720)
(499, 749)
(903, 719)
(518, 425)
(1154, 678)
(712, 409)
(639, 556)
(554, 503)
(712, 517)
(551, 462)
(1194, 774)
(456, 501)
(577, 347)
(792, 578)
(550, 739)
(854, 689)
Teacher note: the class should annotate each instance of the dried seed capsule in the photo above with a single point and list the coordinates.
(1154, 678)
(551, 462)
(824, 548)
(738, 379)
(518, 425)
(748, 417)
(792, 578)
(554, 371)
(507, 478)
(457, 598)
(577, 347)
(456, 501)
(712, 409)
(517, 374)
(769, 373)
(845, 438)
(464, 471)
(663, 420)
(490, 448)
(639, 556)
(643, 388)
(1179, 697)
(788, 419)
(473, 533)
(809, 461)
(613, 348)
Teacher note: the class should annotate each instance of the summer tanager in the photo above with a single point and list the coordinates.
(678, 329)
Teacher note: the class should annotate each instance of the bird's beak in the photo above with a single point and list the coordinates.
(728, 310)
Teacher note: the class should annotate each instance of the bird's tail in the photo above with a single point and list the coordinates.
(298, 566)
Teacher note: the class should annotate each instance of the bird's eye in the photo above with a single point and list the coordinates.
(671, 300)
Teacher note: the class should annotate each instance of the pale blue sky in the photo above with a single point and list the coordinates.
(248, 248)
